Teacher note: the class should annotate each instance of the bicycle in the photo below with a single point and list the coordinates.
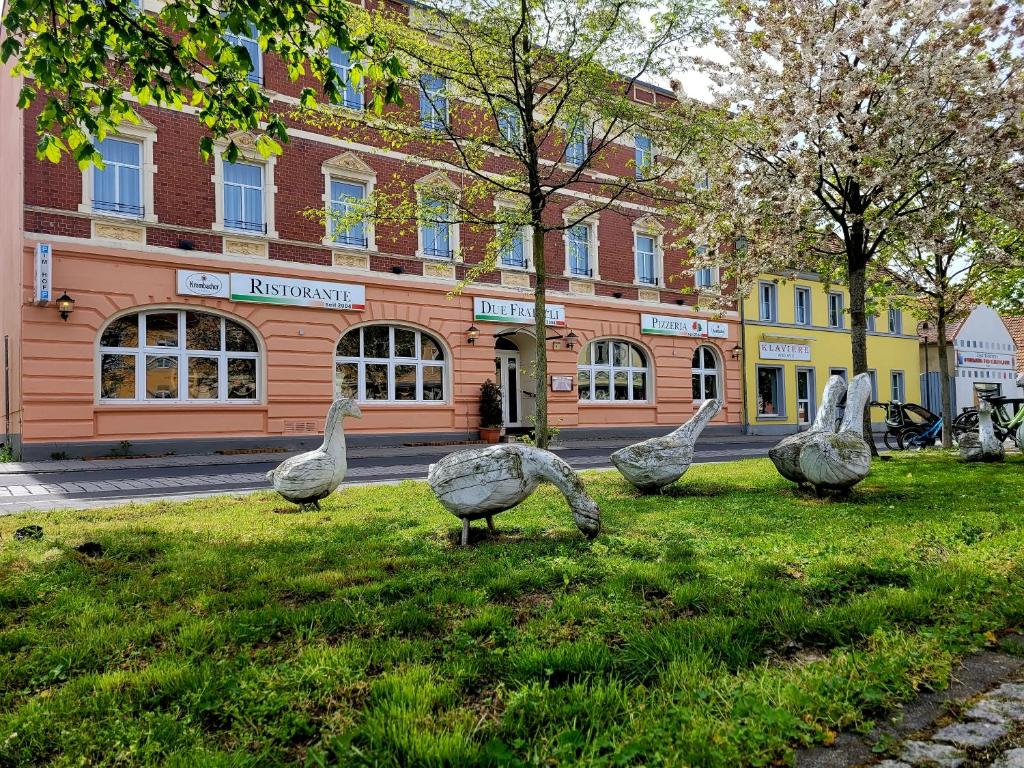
(916, 438)
(1007, 425)
(906, 420)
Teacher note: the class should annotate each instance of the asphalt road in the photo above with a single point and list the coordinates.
(95, 484)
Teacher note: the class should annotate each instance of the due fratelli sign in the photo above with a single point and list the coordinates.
(519, 312)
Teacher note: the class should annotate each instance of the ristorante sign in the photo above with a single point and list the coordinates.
(519, 312)
(664, 325)
(267, 289)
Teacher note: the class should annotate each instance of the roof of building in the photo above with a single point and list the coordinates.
(952, 329)
(1015, 325)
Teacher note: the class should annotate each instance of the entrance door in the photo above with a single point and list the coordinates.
(805, 395)
(506, 371)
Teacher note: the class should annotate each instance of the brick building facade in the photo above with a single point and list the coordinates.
(169, 346)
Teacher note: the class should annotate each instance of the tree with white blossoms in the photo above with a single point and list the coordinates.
(857, 118)
(523, 105)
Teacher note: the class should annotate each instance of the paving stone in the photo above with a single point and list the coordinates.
(997, 711)
(1014, 691)
(1012, 759)
(974, 734)
(922, 753)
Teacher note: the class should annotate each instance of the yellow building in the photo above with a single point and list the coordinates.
(796, 334)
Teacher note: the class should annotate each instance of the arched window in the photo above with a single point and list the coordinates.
(390, 363)
(705, 374)
(171, 355)
(613, 370)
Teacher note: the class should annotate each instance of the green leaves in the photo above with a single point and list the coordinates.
(86, 58)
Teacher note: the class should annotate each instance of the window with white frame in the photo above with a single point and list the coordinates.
(835, 309)
(576, 143)
(347, 197)
(897, 386)
(515, 248)
(578, 256)
(646, 248)
(703, 277)
(243, 197)
(350, 95)
(433, 102)
(613, 370)
(873, 377)
(895, 321)
(509, 126)
(802, 305)
(644, 156)
(869, 322)
(767, 302)
(117, 187)
(168, 355)
(390, 364)
(435, 228)
(250, 42)
(704, 373)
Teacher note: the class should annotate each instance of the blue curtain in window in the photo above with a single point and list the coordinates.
(118, 186)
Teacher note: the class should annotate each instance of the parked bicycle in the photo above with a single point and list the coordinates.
(909, 425)
(1007, 417)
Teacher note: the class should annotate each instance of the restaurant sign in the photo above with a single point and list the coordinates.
(520, 312)
(983, 360)
(267, 289)
(664, 325)
(43, 273)
(775, 350)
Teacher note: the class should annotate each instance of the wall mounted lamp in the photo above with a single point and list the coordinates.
(65, 305)
(472, 333)
(570, 340)
(736, 352)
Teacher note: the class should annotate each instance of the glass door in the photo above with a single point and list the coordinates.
(804, 395)
(506, 371)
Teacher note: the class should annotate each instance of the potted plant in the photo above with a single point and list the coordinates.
(491, 419)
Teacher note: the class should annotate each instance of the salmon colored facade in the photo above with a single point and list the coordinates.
(144, 360)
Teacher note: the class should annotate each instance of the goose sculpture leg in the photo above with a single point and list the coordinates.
(309, 477)
(481, 482)
(660, 461)
(837, 461)
(786, 454)
(983, 446)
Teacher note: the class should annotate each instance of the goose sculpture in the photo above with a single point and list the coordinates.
(481, 482)
(983, 446)
(660, 461)
(1020, 429)
(309, 477)
(786, 455)
(837, 461)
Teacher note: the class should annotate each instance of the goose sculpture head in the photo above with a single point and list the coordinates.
(983, 446)
(786, 454)
(660, 461)
(481, 482)
(309, 477)
(837, 461)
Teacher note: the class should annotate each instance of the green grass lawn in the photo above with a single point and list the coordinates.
(722, 624)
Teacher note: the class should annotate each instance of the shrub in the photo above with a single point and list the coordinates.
(490, 405)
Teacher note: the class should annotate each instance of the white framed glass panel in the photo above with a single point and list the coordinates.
(802, 306)
(433, 102)
(579, 251)
(177, 356)
(895, 321)
(390, 363)
(513, 254)
(117, 187)
(646, 264)
(346, 197)
(509, 126)
(767, 302)
(835, 310)
(350, 96)
(704, 374)
(898, 389)
(613, 370)
(250, 43)
(770, 400)
(436, 229)
(644, 155)
(576, 144)
(243, 197)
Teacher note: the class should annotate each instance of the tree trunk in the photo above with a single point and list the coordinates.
(945, 396)
(540, 330)
(856, 269)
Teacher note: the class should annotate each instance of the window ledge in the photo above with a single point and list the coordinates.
(617, 403)
(139, 405)
(775, 417)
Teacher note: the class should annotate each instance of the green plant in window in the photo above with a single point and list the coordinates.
(490, 406)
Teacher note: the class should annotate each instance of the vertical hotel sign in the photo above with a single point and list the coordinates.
(44, 273)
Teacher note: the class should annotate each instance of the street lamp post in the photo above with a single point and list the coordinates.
(922, 331)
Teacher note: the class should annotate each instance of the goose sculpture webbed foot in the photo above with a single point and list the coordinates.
(481, 482)
(656, 463)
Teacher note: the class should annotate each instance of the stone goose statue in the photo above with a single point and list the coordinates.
(660, 461)
(983, 446)
(480, 482)
(786, 454)
(309, 477)
(1020, 429)
(837, 461)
